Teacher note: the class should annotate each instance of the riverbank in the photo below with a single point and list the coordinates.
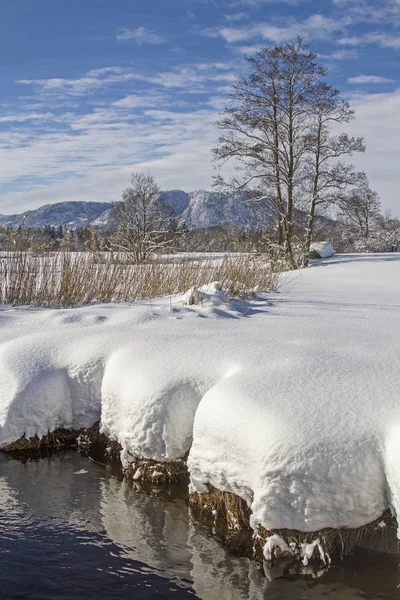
(288, 401)
(69, 528)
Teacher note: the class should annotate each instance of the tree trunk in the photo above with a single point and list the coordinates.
(314, 198)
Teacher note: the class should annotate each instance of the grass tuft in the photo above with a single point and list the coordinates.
(147, 470)
(234, 513)
(223, 506)
(60, 438)
(336, 541)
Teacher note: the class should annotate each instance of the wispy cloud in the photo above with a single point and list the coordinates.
(22, 118)
(340, 55)
(366, 79)
(257, 3)
(101, 140)
(140, 36)
(314, 27)
(385, 40)
(371, 11)
(236, 17)
(90, 82)
(95, 154)
(377, 121)
(192, 78)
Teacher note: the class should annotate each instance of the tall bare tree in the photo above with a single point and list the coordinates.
(141, 220)
(326, 176)
(277, 131)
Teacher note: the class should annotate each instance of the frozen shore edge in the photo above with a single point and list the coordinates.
(312, 552)
(287, 401)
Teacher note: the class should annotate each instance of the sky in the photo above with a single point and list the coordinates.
(93, 90)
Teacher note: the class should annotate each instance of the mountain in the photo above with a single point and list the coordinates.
(71, 214)
(198, 209)
(206, 209)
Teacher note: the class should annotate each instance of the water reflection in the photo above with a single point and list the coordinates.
(154, 531)
(71, 529)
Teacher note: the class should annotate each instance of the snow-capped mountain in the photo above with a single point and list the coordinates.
(72, 214)
(198, 209)
(206, 209)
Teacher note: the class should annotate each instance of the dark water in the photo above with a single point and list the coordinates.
(70, 534)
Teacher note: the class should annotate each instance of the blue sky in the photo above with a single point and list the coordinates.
(92, 90)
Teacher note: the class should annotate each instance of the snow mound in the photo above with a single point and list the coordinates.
(296, 468)
(210, 294)
(294, 408)
(323, 249)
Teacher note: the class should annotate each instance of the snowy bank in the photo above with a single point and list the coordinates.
(289, 401)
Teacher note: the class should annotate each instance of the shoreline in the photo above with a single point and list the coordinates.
(226, 514)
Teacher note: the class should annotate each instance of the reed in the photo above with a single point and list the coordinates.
(67, 279)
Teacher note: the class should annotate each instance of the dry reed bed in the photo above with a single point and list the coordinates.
(69, 279)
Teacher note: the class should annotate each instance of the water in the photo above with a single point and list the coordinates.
(71, 529)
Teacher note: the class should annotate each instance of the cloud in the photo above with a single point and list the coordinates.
(257, 3)
(21, 118)
(340, 55)
(370, 79)
(371, 11)
(350, 41)
(164, 123)
(93, 158)
(384, 40)
(377, 121)
(89, 151)
(249, 50)
(79, 86)
(236, 17)
(140, 36)
(138, 101)
(316, 27)
(193, 78)
(96, 153)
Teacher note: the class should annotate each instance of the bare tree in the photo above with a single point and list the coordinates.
(326, 177)
(277, 131)
(387, 232)
(141, 220)
(359, 210)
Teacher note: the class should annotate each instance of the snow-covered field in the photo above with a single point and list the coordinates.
(291, 401)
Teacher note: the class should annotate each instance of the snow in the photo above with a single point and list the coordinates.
(275, 545)
(308, 551)
(206, 294)
(292, 403)
(324, 249)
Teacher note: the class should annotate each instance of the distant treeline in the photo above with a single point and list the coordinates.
(383, 236)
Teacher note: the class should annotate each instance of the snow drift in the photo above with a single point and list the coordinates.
(289, 401)
(323, 249)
